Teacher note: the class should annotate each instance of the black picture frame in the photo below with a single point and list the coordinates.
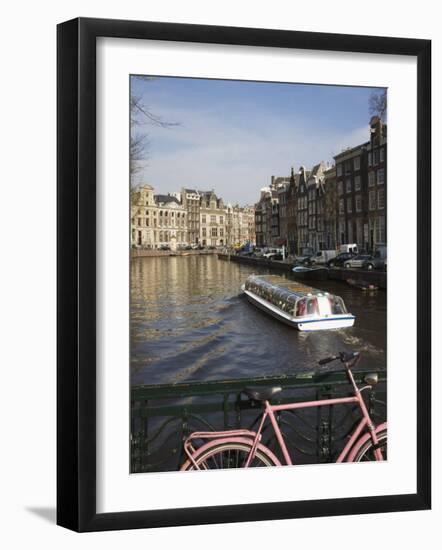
(76, 273)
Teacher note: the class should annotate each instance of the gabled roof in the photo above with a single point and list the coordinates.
(166, 198)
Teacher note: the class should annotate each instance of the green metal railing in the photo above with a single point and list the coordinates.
(162, 416)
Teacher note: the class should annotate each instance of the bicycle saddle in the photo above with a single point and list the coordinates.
(262, 394)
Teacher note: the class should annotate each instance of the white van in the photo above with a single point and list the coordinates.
(322, 257)
(349, 248)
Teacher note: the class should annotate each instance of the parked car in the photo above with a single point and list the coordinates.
(276, 256)
(358, 261)
(164, 247)
(304, 256)
(340, 259)
(271, 252)
(321, 257)
(378, 260)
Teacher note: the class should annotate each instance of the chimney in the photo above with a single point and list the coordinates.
(375, 130)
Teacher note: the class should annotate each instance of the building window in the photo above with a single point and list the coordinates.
(357, 163)
(381, 198)
(349, 205)
(372, 200)
(357, 183)
(347, 166)
(341, 206)
(342, 231)
(221, 220)
(348, 185)
(339, 169)
(340, 187)
(371, 179)
(382, 154)
(358, 203)
(376, 157)
(147, 222)
(203, 218)
(370, 159)
(212, 219)
(380, 227)
(381, 176)
(214, 232)
(221, 232)
(204, 232)
(350, 231)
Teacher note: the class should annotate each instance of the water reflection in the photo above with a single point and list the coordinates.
(189, 321)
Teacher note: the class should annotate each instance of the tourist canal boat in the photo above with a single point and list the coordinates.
(297, 305)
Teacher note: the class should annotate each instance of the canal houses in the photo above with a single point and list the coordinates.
(188, 217)
(315, 199)
(213, 220)
(191, 200)
(240, 226)
(144, 217)
(322, 208)
(302, 210)
(313, 209)
(172, 222)
(361, 177)
(377, 184)
(268, 216)
(330, 209)
(292, 213)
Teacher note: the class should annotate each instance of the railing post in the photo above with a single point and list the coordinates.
(324, 426)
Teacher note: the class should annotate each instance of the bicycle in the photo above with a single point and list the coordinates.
(243, 448)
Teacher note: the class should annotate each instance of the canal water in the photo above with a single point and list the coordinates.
(190, 322)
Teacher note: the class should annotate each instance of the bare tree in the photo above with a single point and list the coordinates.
(140, 117)
(377, 104)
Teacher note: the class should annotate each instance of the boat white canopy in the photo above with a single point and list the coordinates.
(294, 298)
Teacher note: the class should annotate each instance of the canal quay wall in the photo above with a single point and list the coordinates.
(141, 253)
(378, 278)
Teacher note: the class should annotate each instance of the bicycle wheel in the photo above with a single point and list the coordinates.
(366, 452)
(229, 455)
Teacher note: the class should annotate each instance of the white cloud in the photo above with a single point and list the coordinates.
(212, 151)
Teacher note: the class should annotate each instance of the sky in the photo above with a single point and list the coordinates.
(232, 136)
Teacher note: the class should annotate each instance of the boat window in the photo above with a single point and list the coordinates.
(312, 306)
(337, 305)
(301, 307)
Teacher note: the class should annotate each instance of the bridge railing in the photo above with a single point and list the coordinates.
(162, 416)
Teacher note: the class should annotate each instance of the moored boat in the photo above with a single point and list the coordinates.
(315, 273)
(362, 285)
(297, 305)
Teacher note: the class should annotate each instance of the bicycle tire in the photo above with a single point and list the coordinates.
(227, 456)
(366, 452)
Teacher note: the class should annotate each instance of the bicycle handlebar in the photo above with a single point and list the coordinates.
(344, 357)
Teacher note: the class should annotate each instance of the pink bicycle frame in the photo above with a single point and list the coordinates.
(270, 410)
(253, 439)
